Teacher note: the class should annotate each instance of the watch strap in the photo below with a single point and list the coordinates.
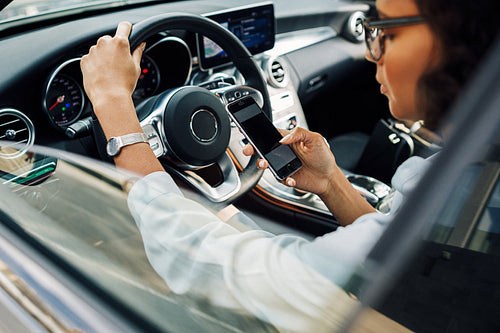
(130, 139)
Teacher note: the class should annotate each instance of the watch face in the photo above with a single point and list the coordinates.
(112, 147)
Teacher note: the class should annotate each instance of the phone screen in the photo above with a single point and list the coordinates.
(261, 132)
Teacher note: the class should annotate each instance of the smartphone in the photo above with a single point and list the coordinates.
(260, 131)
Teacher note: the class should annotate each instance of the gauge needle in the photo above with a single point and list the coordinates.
(59, 100)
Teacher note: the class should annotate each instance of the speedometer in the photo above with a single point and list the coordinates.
(64, 100)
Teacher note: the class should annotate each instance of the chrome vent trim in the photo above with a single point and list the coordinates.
(277, 73)
(354, 30)
(17, 133)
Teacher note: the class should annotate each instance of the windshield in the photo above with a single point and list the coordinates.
(22, 9)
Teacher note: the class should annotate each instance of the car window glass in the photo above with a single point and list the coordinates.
(21, 9)
(486, 237)
(441, 231)
(454, 271)
(79, 213)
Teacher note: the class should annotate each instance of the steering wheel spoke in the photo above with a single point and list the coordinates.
(155, 140)
(232, 93)
(226, 188)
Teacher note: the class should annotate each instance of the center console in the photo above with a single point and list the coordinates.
(255, 27)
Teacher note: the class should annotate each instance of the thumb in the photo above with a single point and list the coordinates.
(137, 54)
(299, 134)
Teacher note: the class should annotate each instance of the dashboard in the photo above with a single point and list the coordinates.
(42, 83)
(167, 63)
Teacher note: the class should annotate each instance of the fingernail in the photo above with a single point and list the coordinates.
(326, 141)
(143, 46)
(261, 164)
(290, 182)
(285, 137)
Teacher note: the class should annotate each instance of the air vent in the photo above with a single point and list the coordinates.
(17, 133)
(277, 73)
(354, 30)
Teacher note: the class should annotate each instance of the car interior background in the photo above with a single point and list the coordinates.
(319, 95)
(72, 222)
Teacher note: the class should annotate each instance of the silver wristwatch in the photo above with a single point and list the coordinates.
(115, 144)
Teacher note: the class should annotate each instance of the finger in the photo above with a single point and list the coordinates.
(262, 164)
(290, 182)
(137, 55)
(248, 150)
(83, 62)
(299, 134)
(103, 39)
(123, 29)
(92, 49)
(294, 136)
(283, 132)
(327, 143)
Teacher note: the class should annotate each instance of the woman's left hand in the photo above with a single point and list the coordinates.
(321, 175)
(318, 162)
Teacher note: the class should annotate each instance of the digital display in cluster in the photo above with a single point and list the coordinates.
(253, 26)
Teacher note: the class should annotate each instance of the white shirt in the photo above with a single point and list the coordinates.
(284, 280)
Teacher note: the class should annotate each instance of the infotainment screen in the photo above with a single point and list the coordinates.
(254, 26)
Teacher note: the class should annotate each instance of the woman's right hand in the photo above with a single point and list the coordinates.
(318, 162)
(110, 70)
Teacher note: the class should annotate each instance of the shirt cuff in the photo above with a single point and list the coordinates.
(150, 187)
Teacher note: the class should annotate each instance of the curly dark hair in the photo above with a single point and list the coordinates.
(465, 30)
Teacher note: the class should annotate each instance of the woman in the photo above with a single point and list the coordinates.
(424, 51)
(424, 55)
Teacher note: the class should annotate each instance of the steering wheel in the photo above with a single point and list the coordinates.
(188, 125)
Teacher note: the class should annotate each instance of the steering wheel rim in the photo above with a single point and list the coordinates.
(237, 52)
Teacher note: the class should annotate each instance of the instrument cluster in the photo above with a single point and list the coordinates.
(165, 64)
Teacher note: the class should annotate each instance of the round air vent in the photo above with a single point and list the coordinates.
(17, 133)
(354, 27)
(277, 74)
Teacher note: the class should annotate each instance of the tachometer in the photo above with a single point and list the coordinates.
(64, 100)
(148, 80)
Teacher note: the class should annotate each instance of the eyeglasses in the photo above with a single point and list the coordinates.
(374, 37)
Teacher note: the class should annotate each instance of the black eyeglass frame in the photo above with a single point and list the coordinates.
(373, 23)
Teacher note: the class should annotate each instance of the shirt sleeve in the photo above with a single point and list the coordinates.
(284, 280)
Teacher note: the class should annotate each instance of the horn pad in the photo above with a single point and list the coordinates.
(196, 126)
